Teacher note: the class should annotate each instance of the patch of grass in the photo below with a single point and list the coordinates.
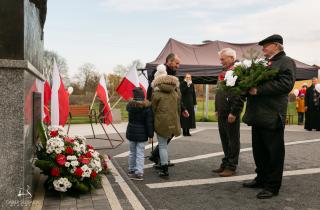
(200, 114)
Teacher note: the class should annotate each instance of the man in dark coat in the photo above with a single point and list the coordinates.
(312, 107)
(266, 113)
(228, 108)
(189, 99)
(172, 65)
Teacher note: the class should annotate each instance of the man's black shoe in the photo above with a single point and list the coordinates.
(253, 184)
(266, 194)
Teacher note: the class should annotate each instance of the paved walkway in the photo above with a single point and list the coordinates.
(193, 157)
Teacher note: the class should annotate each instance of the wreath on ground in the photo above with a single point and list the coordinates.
(70, 163)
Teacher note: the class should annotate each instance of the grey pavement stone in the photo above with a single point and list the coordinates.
(68, 208)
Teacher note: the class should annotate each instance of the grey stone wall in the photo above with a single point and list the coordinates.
(17, 148)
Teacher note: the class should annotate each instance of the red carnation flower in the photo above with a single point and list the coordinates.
(61, 159)
(69, 140)
(54, 133)
(269, 63)
(83, 159)
(69, 150)
(55, 172)
(78, 172)
(93, 174)
(88, 155)
(89, 146)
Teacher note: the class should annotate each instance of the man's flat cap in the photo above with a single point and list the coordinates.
(273, 38)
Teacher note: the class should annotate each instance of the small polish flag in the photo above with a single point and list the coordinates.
(102, 93)
(46, 101)
(144, 83)
(128, 83)
(59, 99)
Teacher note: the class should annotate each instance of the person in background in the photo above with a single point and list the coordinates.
(300, 108)
(303, 89)
(139, 129)
(188, 96)
(312, 107)
(171, 66)
(166, 109)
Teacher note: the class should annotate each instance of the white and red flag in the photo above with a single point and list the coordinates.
(144, 83)
(46, 102)
(128, 83)
(102, 93)
(59, 99)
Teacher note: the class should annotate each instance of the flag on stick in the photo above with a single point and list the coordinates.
(59, 99)
(128, 83)
(102, 93)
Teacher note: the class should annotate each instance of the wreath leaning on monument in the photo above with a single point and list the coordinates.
(247, 74)
(70, 163)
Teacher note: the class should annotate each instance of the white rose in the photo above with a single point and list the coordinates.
(231, 81)
(229, 74)
(237, 64)
(247, 63)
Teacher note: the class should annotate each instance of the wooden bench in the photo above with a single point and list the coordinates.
(81, 111)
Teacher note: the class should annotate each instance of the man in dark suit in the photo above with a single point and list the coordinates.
(266, 113)
(228, 109)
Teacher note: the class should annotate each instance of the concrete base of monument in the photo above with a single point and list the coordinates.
(17, 148)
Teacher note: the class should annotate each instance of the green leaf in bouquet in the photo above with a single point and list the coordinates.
(42, 134)
(44, 165)
(81, 187)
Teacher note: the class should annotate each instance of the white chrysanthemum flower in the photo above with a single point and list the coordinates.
(74, 163)
(71, 157)
(58, 150)
(73, 170)
(62, 184)
(67, 164)
(83, 147)
(81, 139)
(86, 171)
(95, 154)
(55, 144)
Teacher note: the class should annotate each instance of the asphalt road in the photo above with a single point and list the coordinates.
(192, 185)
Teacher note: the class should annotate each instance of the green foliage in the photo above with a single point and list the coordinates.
(44, 165)
(248, 77)
(42, 134)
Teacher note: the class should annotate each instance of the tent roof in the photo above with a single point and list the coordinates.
(202, 60)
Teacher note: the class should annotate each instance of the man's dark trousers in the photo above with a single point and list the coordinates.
(268, 152)
(230, 140)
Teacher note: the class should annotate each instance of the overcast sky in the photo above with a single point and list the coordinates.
(111, 32)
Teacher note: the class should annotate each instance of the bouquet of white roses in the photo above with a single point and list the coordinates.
(247, 74)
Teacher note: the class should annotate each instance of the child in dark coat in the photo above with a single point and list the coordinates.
(140, 128)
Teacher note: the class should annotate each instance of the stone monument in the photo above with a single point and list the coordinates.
(21, 55)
